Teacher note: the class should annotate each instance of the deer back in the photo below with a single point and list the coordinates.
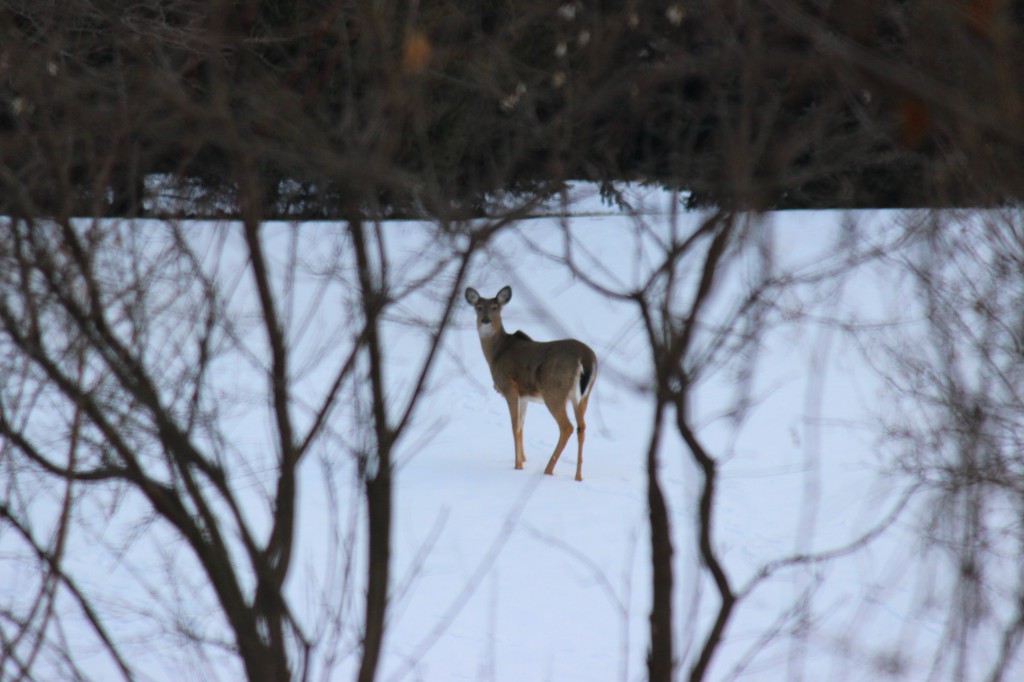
(541, 368)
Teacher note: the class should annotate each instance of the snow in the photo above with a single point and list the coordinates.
(507, 575)
(557, 572)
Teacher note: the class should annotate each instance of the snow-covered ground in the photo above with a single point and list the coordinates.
(513, 576)
(523, 577)
(510, 575)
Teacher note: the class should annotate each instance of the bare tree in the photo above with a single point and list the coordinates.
(126, 343)
(957, 379)
(98, 359)
(120, 340)
(122, 417)
(672, 300)
(710, 290)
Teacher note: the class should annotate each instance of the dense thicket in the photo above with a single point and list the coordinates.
(343, 108)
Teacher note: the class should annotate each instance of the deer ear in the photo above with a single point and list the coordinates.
(504, 296)
(472, 296)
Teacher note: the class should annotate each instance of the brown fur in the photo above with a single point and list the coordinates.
(555, 372)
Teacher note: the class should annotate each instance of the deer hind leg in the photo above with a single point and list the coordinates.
(580, 410)
(516, 413)
(557, 409)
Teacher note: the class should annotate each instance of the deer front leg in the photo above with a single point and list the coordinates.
(523, 402)
(516, 412)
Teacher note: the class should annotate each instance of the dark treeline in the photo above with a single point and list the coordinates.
(334, 109)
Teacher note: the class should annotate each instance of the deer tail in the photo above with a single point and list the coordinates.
(588, 370)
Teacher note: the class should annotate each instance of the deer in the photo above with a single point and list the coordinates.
(552, 372)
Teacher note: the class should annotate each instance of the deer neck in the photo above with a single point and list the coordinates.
(494, 343)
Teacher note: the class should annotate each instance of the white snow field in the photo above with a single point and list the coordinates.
(512, 576)
(526, 577)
